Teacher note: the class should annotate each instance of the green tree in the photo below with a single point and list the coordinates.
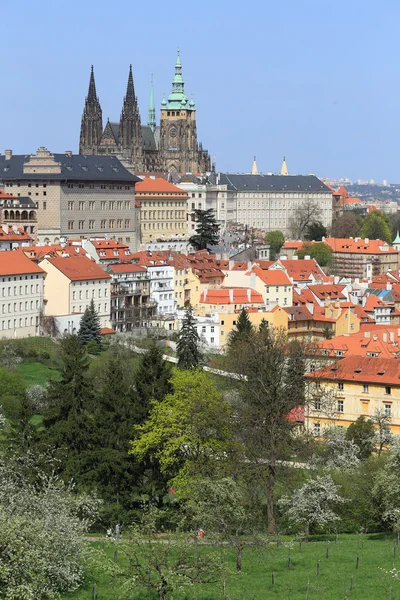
(107, 465)
(90, 329)
(269, 387)
(377, 226)
(243, 328)
(383, 434)
(362, 433)
(189, 432)
(320, 251)
(346, 226)
(187, 348)
(152, 378)
(316, 231)
(207, 230)
(275, 239)
(67, 414)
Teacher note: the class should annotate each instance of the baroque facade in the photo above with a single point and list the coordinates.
(170, 147)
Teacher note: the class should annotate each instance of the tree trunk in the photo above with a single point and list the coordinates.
(239, 552)
(307, 531)
(270, 486)
(161, 594)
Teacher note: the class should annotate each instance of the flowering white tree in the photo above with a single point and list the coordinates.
(386, 491)
(337, 452)
(42, 522)
(313, 503)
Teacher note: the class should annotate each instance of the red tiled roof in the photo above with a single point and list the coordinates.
(341, 192)
(14, 262)
(362, 369)
(78, 268)
(302, 270)
(334, 292)
(6, 196)
(127, 268)
(107, 244)
(14, 236)
(223, 296)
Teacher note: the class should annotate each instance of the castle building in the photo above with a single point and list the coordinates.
(172, 146)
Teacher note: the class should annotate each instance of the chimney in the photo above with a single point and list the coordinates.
(7, 154)
(68, 153)
(385, 336)
(231, 295)
(231, 264)
(4, 228)
(249, 265)
(248, 294)
(205, 293)
(375, 338)
(357, 239)
(388, 286)
(366, 241)
(307, 257)
(367, 334)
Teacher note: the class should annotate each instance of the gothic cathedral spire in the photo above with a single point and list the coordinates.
(92, 120)
(151, 113)
(130, 130)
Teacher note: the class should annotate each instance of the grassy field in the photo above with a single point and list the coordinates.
(255, 582)
(36, 372)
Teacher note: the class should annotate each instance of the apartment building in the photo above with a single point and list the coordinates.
(21, 295)
(161, 273)
(76, 195)
(71, 283)
(18, 212)
(357, 257)
(130, 297)
(358, 385)
(163, 210)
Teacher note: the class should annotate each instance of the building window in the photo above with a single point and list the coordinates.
(317, 405)
(91, 205)
(340, 385)
(212, 340)
(340, 406)
(365, 388)
(102, 224)
(70, 225)
(44, 205)
(388, 410)
(91, 224)
(81, 224)
(317, 429)
(111, 223)
(388, 390)
(81, 205)
(70, 205)
(103, 205)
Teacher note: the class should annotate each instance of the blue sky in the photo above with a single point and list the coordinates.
(315, 80)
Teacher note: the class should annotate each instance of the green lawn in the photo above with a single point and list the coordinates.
(36, 372)
(255, 581)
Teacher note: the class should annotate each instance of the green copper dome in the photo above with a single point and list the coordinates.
(397, 239)
(177, 98)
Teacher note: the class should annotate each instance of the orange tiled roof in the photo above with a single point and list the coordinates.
(223, 296)
(159, 186)
(365, 343)
(358, 246)
(107, 244)
(5, 196)
(362, 369)
(271, 277)
(14, 262)
(332, 291)
(302, 270)
(341, 192)
(373, 302)
(78, 268)
(14, 236)
(292, 245)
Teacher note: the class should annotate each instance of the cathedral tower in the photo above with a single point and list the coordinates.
(130, 130)
(92, 121)
(179, 148)
(151, 113)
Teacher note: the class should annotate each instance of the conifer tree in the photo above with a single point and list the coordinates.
(152, 378)
(90, 328)
(243, 328)
(189, 355)
(207, 230)
(69, 403)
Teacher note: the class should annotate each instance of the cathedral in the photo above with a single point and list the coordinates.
(170, 147)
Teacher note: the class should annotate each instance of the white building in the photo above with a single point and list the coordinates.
(21, 295)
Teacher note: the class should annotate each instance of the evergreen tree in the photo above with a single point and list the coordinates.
(243, 328)
(109, 467)
(207, 230)
(189, 355)
(152, 378)
(90, 328)
(66, 416)
(296, 366)
(316, 231)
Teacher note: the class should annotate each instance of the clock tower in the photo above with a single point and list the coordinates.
(179, 149)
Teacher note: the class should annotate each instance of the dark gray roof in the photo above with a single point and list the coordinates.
(115, 131)
(272, 183)
(148, 141)
(77, 167)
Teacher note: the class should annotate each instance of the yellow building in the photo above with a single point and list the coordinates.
(352, 387)
(163, 210)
